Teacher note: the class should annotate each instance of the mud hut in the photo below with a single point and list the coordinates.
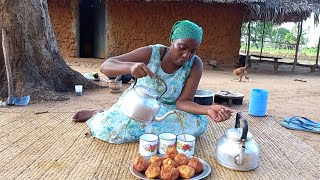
(104, 28)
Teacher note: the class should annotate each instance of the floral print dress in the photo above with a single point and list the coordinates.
(115, 127)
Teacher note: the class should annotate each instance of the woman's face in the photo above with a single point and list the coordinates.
(183, 50)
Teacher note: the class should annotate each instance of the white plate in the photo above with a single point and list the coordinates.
(206, 171)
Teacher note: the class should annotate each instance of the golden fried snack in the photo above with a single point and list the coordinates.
(169, 173)
(186, 171)
(156, 160)
(141, 163)
(153, 171)
(170, 162)
(181, 159)
(171, 152)
(196, 164)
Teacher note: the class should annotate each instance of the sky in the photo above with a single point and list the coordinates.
(313, 33)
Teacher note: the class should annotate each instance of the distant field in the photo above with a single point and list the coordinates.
(305, 56)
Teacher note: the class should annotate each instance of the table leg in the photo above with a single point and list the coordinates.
(276, 65)
(229, 102)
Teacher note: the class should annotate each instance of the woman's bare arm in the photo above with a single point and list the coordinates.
(133, 63)
(185, 101)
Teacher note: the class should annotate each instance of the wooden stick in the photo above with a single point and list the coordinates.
(10, 100)
(317, 58)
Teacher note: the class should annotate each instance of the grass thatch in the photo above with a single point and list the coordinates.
(286, 10)
(277, 11)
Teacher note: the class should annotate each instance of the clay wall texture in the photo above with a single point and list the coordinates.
(131, 25)
(63, 16)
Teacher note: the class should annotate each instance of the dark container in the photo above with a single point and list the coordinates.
(228, 97)
(125, 78)
(203, 97)
(221, 100)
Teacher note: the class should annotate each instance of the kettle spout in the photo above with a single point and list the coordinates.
(164, 116)
(240, 159)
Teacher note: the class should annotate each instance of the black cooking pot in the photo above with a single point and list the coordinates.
(125, 78)
(203, 97)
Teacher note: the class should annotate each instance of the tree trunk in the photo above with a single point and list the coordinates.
(38, 68)
(297, 45)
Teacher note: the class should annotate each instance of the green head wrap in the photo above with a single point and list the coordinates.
(186, 29)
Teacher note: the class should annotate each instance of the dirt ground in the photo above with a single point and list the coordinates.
(289, 93)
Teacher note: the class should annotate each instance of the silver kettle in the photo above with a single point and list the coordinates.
(237, 150)
(142, 103)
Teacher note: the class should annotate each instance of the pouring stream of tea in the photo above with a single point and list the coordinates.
(181, 122)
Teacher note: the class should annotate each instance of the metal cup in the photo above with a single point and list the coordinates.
(186, 144)
(148, 144)
(78, 90)
(166, 140)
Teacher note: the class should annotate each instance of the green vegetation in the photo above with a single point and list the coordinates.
(304, 51)
(278, 41)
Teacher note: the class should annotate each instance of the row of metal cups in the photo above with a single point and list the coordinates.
(150, 144)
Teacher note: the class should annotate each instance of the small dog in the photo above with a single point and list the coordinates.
(242, 71)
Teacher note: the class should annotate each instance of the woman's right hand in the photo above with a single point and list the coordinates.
(139, 70)
(219, 113)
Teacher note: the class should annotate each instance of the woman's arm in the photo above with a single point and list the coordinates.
(134, 63)
(185, 101)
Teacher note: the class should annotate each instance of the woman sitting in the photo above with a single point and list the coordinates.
(180, 68)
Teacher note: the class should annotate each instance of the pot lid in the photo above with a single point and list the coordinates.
(235, 134)
(231, 94)
(147, 91)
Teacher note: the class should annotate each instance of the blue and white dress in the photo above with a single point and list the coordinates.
(115, 127)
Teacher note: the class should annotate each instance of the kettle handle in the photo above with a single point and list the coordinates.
(245, 127)
(154, 77)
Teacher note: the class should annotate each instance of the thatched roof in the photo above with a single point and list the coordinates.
(280, 11)
(277, 11)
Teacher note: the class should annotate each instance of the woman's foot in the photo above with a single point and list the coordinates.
(84, 115)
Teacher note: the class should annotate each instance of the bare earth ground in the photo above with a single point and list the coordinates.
(287, 97)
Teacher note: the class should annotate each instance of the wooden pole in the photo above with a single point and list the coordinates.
(10, 100)
(248, 63)
(264, 26)
(245, 51)
(297, 45)
(317, 58)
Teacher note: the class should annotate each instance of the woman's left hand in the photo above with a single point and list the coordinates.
(219, 113)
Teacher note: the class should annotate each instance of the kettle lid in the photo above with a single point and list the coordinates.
(235, 134)
(147, 91)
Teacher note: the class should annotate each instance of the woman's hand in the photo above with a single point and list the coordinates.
(219, 113)
(139, 70)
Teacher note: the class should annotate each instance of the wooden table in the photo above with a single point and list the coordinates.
(267, 58)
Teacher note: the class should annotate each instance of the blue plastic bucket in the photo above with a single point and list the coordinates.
(258, 102)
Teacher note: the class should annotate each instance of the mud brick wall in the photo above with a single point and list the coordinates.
(132, 25)
(64, 18)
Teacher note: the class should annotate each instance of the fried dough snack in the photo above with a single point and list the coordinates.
(171, 152)
(181, 159)
(173, 166)
(169, 172)
(186, 171)
(141, 163)
(153, 171)
(196, 164)
(156, 160)
(170, 162)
